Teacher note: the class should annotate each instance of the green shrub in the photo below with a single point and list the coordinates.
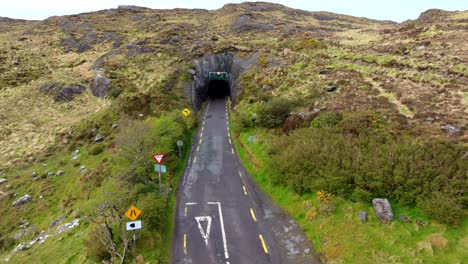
(96, 149)
(274, 112)
(370, 165)
(326, 120)
(93, 246)
(443, 206)
(154, 206)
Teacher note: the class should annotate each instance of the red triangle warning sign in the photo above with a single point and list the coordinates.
(158, 158)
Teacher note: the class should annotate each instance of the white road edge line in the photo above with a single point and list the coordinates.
(190, 203)
(226, 254)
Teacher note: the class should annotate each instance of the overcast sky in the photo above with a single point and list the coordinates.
(396, 10)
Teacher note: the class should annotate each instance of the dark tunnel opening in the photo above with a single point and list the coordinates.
(218, 89)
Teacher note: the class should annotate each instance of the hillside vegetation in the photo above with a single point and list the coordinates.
(364, 108)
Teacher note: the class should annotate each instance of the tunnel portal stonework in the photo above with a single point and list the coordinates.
(225, 62)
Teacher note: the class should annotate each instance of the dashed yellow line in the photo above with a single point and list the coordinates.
(263, 243)
(229, 135)
(203, 122)
(195, 159)
(198, 148)
(185, 211)
(232, 150)
(253, 215)
(230, 141)
(245, 189)
(185, 244)
(203, 128)
(201, 134)
(240, 174)
(199, 142)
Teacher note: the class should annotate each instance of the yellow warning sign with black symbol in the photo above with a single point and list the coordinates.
(133, 213)
(186, 112)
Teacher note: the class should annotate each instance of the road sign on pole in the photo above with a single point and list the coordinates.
(133, 225)
(186, 112)
(160, 168)
(133, 213)
(180, 143)
(158, 157)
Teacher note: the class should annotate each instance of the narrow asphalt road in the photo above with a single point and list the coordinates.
(221, 215)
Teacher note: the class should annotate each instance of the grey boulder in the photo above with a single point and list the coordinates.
(383, 209)
(2, 180)
(67, 93)
(23, 200)
(60, 173)
(363, 216)
(100, 86)
(98, 138)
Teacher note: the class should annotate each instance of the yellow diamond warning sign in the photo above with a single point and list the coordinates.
(186, 112)
(133, 213)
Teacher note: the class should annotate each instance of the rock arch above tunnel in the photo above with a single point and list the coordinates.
(203, 86)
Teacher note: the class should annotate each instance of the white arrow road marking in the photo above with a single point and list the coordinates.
(204, 234)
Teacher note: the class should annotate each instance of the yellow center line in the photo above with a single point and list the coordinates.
(203, 128)
(240, 174)
(198, 148)
(185, 211)
(199, 142)
(232, 150)
(203, 122)
(228, 134)
(245, 189)
(253, 215)
(195, 159)
(185, 244)
(230, 141)
(263, 244)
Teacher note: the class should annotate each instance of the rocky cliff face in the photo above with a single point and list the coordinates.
(131, 57)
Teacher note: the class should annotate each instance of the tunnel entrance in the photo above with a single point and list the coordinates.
(218, 89)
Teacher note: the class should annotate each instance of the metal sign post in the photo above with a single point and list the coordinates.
(158, 158)
(132, 214)
(180, 143)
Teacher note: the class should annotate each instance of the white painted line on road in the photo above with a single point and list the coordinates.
(253, 215)
(226, 254)
(199, 142)
(263, 243)
(204, 234)
(240, 174)
(203, 122)
(230, 141)
(203, 128)
(195, 159)
(232, 150)
(245, 189)
(185, 211)
(198, 148)
(201, 134)
(191, 203)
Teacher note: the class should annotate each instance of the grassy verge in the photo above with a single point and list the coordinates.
(340, 236)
